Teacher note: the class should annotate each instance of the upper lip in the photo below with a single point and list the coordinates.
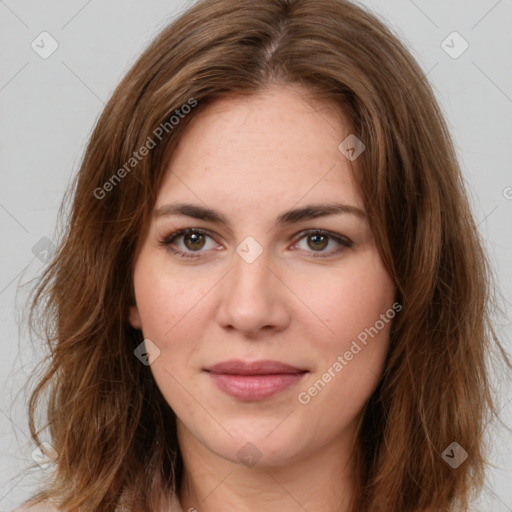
(263, 367)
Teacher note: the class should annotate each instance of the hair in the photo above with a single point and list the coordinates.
(113, 431)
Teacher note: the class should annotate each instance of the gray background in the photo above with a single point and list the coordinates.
(49, 107)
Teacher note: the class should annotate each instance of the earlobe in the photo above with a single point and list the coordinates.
(134, 317)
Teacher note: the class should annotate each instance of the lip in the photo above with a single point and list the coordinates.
(255, 380)
(262, 367)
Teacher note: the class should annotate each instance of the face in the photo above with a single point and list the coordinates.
(269, 317)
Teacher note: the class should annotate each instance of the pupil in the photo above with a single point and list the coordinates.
(196, 239)
(317, 237)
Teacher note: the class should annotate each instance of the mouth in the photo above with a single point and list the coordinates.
(255, 380)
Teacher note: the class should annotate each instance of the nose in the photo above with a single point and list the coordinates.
(253, 297)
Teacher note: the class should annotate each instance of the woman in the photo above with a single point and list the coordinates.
(271, 294)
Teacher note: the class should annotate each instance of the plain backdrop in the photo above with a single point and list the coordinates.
(48, 107)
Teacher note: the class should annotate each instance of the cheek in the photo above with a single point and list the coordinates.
(350, 299)
(165, 302)
(353, 352)
(168, 308)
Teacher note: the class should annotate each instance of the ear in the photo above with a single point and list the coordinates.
(134, 317)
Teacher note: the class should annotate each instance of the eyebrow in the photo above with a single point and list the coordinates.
(310, 211)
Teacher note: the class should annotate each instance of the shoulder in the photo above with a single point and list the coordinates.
(44, 506)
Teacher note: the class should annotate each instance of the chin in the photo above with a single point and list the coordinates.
(258, 446)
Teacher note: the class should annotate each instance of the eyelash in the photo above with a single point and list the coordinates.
(344, 242)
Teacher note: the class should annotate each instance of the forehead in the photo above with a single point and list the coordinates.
(276, 147)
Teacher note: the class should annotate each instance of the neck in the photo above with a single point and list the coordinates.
(320, 482)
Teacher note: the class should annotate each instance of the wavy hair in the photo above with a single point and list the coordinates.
(108, 422)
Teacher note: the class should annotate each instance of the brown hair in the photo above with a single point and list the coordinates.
(108, 422)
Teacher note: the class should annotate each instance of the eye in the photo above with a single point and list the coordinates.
(193, 239)
(318, 240)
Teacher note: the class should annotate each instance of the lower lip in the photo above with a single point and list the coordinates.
(254, 387)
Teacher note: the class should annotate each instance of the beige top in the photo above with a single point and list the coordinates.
(174, 506)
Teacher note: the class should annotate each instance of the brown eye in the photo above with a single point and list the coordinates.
(194, 241)
(189, 243)
(319, 242)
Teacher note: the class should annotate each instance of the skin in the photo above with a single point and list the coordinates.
(298, 302)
